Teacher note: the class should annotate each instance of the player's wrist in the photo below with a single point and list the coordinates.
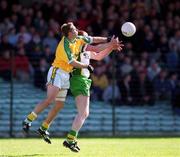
(109, 39)
(85, 65)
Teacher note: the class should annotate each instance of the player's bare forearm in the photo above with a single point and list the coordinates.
(102, 54)
(115, 44)
(78, 64)
(97, 40)
(103, 46)
(98, 48)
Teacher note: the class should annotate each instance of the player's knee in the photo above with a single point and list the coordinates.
(49, 100)
(84, 115)
(59, 105)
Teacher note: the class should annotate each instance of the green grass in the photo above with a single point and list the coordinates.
(93, 147)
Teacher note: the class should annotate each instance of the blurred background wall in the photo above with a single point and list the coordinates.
(143, 96)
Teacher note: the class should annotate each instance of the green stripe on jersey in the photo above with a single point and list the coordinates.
(77, 71)
(67, 49)
(86, 39)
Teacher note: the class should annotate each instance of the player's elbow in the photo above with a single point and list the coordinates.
(99, 59)
(96, 49)
(73, 63)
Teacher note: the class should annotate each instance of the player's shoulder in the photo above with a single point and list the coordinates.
(80, 37)
(86, 39)
(63, 39)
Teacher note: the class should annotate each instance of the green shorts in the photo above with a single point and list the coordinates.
(80, 85)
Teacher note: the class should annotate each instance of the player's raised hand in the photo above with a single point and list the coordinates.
(113, 40)
(116, 44)
(119, 46)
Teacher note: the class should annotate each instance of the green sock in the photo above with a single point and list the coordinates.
(71, 136)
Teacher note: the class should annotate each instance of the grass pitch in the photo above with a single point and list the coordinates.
(93, 147)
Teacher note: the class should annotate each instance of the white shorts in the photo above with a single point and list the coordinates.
(61, 96)
(60, 79)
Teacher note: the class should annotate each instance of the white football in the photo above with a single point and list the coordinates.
(128, 29)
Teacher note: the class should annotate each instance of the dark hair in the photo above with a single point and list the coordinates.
(66, 28)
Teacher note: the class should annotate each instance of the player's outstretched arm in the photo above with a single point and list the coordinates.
(95, 40)
(101, 41)
(78, 64)
(102, 54)
(99, 47)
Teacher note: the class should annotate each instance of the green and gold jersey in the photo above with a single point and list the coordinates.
(67, 51)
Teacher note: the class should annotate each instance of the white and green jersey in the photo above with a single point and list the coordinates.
(84, 58)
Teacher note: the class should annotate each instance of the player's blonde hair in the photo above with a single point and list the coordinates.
(66, 28)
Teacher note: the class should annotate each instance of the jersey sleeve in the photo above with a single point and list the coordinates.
(68, 51)
(86, 39)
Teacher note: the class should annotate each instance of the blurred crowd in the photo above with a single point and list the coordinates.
(147, 70)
